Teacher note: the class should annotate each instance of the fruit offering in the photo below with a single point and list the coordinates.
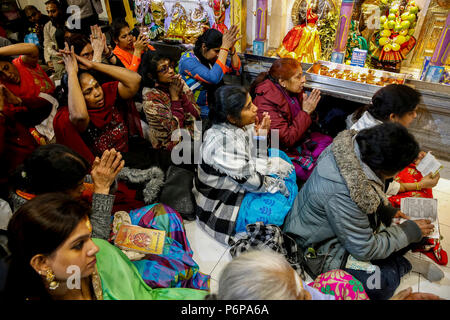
(395, 40)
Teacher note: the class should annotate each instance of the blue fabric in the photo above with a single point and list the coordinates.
(193, 72)
(269, 208)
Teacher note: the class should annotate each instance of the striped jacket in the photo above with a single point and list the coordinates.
(231, 165)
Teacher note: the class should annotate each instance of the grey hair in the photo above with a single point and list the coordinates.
(258, 275)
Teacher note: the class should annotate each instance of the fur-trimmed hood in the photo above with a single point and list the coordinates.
(366, 193)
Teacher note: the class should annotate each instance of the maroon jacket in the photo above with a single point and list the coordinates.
(270, 99)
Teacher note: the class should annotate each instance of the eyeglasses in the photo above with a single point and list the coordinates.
(165, 69)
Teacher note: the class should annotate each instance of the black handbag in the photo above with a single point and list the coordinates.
(177, 192)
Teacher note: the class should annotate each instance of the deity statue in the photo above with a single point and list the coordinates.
(198, 23)
(159, 15)
(177, 26)
(219, 7)
(303, 42)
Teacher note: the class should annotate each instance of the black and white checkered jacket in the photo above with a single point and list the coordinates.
(231, 166)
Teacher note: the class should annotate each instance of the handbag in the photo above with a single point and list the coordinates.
(177, 192)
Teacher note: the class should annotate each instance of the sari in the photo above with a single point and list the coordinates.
(117, 278)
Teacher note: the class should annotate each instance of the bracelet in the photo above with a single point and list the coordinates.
(227, 50)
(417, 187)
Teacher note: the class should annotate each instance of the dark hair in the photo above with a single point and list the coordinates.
(229, 101)
(387, 148)
(55, 2)
(149, 66)
(6, 59)
(30, 7)
(78, 41)
(116, 26)
(62, 91)
(394, 98)
(51, 168)
(40, 226)
(281, 69)
(212, 38)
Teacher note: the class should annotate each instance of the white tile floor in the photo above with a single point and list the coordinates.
(212, 256)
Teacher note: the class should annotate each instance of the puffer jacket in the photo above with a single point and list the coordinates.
(340, 209)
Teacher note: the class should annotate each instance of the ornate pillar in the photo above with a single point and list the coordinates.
(261, 20)
(442, 50)
(345, 18)
(238, 16)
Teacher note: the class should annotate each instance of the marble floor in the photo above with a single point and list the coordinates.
(212, 256)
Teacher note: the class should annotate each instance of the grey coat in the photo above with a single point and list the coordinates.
(339, 210)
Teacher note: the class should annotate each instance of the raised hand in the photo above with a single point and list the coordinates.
(105, 170)
(98, 41)
(262, 127)
(69, 58)
(176, 87)
(230, 37)
(310, 102)
(141, 43)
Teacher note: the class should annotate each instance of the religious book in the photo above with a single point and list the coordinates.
(140, 239)
(422, 208)
(428, 165)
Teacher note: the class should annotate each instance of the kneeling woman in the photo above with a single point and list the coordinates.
(280, 93)
(235, 171)
(49, 236)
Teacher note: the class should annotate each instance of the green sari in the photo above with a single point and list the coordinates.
(120, 280)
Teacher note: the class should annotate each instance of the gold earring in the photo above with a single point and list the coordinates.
(50, 277)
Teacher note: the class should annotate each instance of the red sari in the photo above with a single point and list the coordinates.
(16, 137)
(109, 126)
(409, 175)
(33, 80)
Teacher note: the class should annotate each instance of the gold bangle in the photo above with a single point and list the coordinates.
(227, 50)
(417, 187)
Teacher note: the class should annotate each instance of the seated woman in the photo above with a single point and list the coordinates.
(18, 134)
(396, 103)
(23, 76)
(128, 49)
(168, 104)
(93, 50)
(49, 236)
(57, 168)
(100, 118)
(337, 215)
(234, 166)
(280, 93)
(204, 68)
(266, 275)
